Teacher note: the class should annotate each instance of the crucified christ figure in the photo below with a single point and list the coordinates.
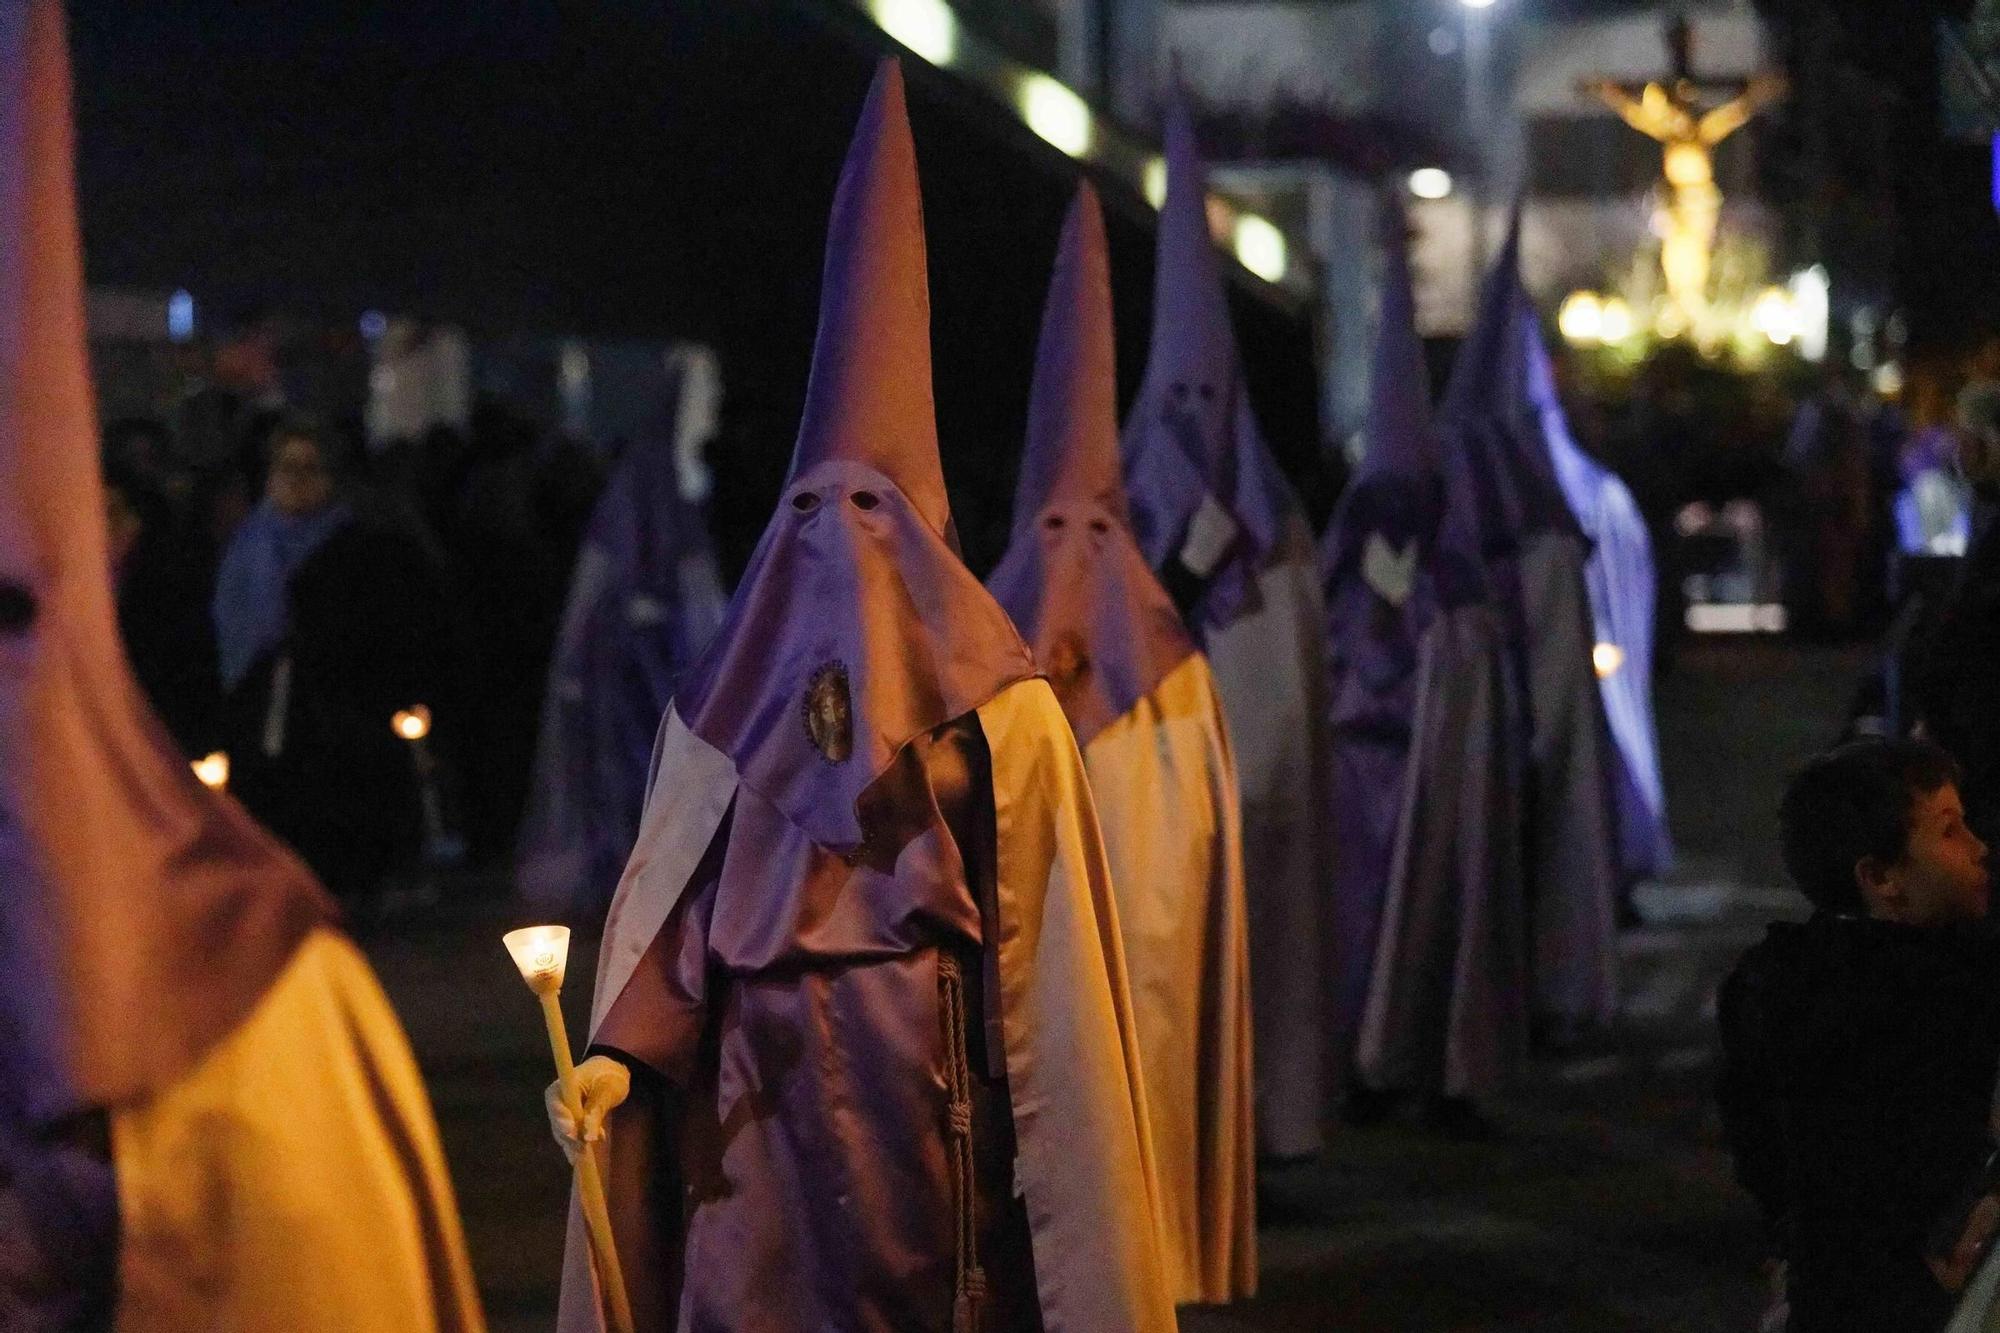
(1670, 114)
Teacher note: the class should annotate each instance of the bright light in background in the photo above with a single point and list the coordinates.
(1888, 379)
(1154, 181)
(1477, 4)
(412, 724)
(1430, 182)
(212, 769)
(1581, 319)
(1260, 247)
(1615, 320)
(1809, 291)
(1605, 659)
(1736, 617)
(180, 316)
(1771, 314)
(927, 27)
(1056, 113)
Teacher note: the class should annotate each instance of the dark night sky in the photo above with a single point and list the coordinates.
(610, 168)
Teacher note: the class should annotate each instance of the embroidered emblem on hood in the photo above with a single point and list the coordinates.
(828, 708)
(1068, 664)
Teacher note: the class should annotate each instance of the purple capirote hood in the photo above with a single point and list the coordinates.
(144, 915)
(855, 616)
(1190, 433)
(1491, 411)
(1404, 502)
(1073, 578)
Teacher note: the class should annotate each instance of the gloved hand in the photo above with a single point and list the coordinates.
(601, 1084)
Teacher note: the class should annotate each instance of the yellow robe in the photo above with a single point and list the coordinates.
(1165, 785)
(292, 1180)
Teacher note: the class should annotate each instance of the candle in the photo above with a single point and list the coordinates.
(542, 954)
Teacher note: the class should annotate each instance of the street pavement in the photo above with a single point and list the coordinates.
(1601, 1201)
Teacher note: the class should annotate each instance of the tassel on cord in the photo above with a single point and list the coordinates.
(969, 1278)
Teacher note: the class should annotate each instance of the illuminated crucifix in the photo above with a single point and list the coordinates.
(1672, 111)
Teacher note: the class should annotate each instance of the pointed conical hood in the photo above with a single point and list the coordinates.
(1190, 306)
(142, 914)
(1073, 578)
(1402, 539)
(856, 627)
(1486, 376)
(1072, 447)
(1490, 413)
(1191, 441)
(869, 400)
(1400, 439)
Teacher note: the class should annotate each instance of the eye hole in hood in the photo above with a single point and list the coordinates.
(18, 607)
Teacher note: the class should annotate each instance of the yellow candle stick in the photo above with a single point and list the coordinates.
(542, 953)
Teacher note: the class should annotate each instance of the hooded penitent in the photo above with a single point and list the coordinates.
(1208, 502)
(1619, 579)
(1143, 706)
(170, 971)
(1428, 879)
(864, 960)
(644, 601)
(1534, 553)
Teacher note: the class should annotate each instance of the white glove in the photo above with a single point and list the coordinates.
(601, 1084)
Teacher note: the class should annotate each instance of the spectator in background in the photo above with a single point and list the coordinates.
(1827, 455)
(1956, 681)
(327, 625)
(1860, 1047)
(160, 574)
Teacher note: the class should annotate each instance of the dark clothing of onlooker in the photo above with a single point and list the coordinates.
(162, 587)
(1959, 673)
(314, 754)
(1859, 1059)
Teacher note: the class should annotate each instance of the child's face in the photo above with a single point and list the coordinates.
(1942, 879)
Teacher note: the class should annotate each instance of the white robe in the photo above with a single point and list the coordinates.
(1447, 1007)
(1571, 845)
(1268, 670)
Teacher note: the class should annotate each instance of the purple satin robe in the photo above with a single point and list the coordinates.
(823, 1076)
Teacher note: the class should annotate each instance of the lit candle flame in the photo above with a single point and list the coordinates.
(412, 723)
(1607, 658)
(213, 770)
(541, 953)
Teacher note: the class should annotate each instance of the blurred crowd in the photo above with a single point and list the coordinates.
(284, 593)
(285, 589)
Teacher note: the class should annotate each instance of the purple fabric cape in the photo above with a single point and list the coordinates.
(1190, 434)
(1534, 553)
(858, 575)
(1073, 578)
(1620, 580)
(1401, 503)
(644, 601)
